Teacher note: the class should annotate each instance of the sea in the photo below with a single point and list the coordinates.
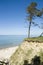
(11, 40)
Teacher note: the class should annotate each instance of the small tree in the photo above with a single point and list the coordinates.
(36, 60)
(31, 9)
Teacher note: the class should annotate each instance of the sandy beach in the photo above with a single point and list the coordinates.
(7, 52)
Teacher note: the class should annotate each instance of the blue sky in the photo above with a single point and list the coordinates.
(13, 17)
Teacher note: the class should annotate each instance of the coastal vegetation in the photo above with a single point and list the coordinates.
(35, 39)
(33, 12)
(35, 61)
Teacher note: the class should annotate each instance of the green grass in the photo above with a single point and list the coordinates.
(34, 39)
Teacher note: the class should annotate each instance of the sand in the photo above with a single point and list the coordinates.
(7, 52)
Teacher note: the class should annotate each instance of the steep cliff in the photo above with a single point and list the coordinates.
(26, 51)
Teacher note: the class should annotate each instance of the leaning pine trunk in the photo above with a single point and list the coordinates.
(29, 27)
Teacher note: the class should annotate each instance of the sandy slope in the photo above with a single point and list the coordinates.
(27, 51)
(7, 52)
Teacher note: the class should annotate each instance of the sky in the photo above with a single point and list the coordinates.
(13, 17)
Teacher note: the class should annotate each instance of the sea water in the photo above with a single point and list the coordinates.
(11, 40)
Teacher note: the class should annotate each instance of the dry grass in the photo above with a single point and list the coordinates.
(34, 39)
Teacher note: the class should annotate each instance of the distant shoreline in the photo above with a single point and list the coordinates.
(7, 47)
